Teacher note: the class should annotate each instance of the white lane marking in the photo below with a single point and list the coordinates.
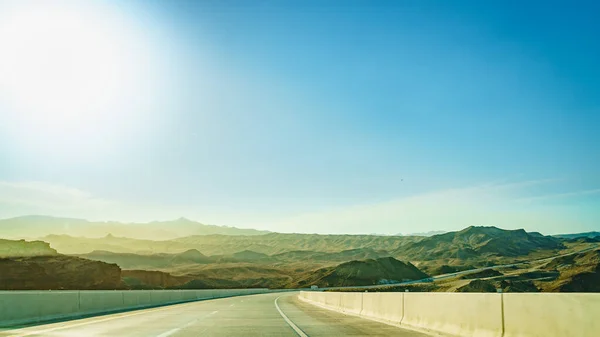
(172, 331)
(289, 322)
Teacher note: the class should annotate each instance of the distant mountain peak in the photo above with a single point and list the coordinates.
(492, 230)
(191, 253)
(480, 228)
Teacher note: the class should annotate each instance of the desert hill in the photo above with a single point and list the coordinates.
(276, 243)
(364, 272)
(579, 235)
(57, 272)
(299, 260)
(578, 273)
(473, 245)
(149, 262)
(479, 242)
(67, 244)
(269, 244)
(343, 256)
(22, 248)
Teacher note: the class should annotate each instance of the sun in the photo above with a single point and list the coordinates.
(66, 70)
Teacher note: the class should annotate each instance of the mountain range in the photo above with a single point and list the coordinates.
(275, 260)
(34, 226)
(579, 235)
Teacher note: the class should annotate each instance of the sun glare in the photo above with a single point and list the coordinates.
(65, 72)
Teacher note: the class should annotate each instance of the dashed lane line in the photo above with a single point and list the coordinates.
(173, 331)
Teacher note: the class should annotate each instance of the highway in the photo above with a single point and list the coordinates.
(273, 314)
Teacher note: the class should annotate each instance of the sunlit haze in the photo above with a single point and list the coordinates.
(380, 117)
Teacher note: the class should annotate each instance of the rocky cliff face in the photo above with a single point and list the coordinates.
(56, 273)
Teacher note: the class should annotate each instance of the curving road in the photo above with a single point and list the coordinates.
(275, 314)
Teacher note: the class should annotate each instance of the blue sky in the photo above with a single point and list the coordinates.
(315, 116)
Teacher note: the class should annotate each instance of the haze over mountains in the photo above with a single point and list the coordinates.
(226, 257)
(430, 233)
(34, 226)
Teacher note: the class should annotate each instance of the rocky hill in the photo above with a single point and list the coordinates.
(22, 248)
(579, 235)
(365, 272)
(150, 262)
(66, 244)
(477, 243)
(57, 272)
(343, 256)
(578, 273)
(299, 260)
(269, 244)
(277, 243)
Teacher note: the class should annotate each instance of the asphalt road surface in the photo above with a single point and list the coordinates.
(277, 314)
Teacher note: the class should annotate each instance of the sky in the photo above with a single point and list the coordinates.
(303, 116)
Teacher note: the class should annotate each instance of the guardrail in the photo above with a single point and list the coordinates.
(473, 314)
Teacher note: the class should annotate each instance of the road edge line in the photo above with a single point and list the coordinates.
(289, 321)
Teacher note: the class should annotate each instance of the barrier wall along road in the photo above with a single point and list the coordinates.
(351, 303)
(552, 315)
(27, 307)
(475, 314)
(387, 307)
(18, 307)
(460, 314)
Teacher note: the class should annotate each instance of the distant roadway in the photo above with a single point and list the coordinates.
(273, 314)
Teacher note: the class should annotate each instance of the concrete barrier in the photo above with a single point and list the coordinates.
(176, 296)
(137, 298)
(331, 300)
(475, 314)
(204, 294)
(552, 315)
(93, 302)
(351, 303)
(218, 293)
(387, 307)
(28, 307)
(309, 296)
(456, 314)
(189, 295)
(160, 297)
(22, 307)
